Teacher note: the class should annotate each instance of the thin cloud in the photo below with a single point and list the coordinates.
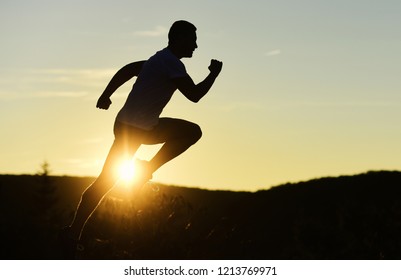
(273, 52)
(351, 104)
(156, 32)
(243, 106)
(53, 83)
(93, 140)
(42, 94)
(73, 74)
(64, 94)
(82, 163)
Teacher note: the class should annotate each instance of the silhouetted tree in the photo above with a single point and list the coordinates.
(45, 194)
(46, 216)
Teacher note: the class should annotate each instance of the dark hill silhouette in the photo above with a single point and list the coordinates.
(347, 217)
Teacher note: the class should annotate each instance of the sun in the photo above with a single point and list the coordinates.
(127, 171)
(131, 173)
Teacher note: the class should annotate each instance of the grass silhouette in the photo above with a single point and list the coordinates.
(347, 217)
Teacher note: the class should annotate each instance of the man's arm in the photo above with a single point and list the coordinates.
(195, 92)
(122, 76)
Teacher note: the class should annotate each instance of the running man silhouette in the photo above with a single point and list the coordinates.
(139, 122)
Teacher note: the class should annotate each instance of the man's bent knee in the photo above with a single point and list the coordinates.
(196, 133)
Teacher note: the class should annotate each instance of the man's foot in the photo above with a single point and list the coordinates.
(68, 245)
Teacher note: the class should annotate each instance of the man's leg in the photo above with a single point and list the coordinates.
(177, 135)
(104, 183)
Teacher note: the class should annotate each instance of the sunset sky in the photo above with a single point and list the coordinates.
(308, 88)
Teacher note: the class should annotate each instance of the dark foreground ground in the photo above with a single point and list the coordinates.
(348, 217)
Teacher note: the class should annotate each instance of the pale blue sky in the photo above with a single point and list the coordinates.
(308, 88)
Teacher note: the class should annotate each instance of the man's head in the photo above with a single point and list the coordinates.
(182, 38)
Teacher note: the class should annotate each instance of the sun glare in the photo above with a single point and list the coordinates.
(127, 171)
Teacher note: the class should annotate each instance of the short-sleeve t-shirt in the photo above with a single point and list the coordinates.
(152, 90)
